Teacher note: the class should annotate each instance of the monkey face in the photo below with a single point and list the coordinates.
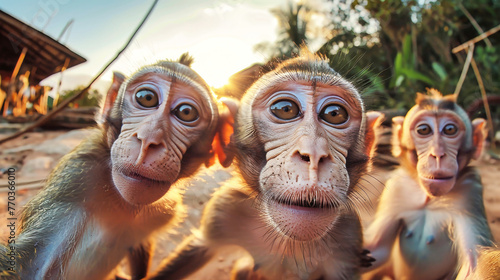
(162, 118)
(307, 131)
(437, 138)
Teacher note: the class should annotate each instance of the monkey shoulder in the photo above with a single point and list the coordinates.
(469, 180)
(401, 192)
(228, 212)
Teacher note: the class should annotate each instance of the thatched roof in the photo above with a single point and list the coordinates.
(44, 57)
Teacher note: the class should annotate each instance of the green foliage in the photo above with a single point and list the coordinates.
(408, 51)
(422, 40)
(293, 21)
(90, 99)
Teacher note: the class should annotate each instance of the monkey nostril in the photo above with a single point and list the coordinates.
(305, 158)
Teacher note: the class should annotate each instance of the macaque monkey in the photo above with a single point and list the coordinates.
(431, 219)
(488, 265)
(302, 141)
(106, 198)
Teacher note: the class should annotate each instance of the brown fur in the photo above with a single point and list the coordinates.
(236, 214)
(80, 226)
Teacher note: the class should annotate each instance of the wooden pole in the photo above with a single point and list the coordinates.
(485, 99)
(477, 39)
(18, 64)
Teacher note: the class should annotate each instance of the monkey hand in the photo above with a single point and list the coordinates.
(366, 258)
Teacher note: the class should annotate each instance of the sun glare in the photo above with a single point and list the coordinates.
(216, 77)
(216, 64)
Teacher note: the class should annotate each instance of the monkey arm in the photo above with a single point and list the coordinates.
(382, 232)
(380, 237)
(6, 264)
(471, 229)
(187, 258)
(52, 255)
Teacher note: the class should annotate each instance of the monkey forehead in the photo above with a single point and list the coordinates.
(438, 116)
(177, 72)
(277, 80)
(418, 112)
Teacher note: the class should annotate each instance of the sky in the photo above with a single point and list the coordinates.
(219, 34)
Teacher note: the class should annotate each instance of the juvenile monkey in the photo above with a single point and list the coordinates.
(107, 197)
(302, 141)
(431, 217)
(488, 265)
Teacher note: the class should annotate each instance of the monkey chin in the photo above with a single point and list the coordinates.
(299, 221)
(437, 186)
(137, 189)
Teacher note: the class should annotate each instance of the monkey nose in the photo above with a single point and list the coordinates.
(305, 158)
(313, 160)
(437, 154)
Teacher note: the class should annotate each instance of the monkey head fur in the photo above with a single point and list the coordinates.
(437, 139)
(303, 140)
(168, 116)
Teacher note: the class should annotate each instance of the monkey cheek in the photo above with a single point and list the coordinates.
(139, 192)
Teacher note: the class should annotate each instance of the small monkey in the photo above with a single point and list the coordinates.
(106, 198)
(488, 265)
(301, 141)
(431, 217)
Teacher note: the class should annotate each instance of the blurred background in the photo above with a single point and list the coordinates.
(391, 48)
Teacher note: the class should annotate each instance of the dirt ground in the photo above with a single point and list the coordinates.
(35, 154)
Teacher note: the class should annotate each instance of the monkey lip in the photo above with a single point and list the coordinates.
(301, 220)
(138, 189)
(134, 176)
(437, 177)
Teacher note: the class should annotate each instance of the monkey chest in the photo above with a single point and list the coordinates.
(425, 245)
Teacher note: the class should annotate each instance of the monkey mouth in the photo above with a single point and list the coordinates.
(138, 187)
(301, 219)
(437, 184)
(135, 176)
(437, 177)
(310, 202)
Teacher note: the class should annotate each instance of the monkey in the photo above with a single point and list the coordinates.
(488, 264)
(301, 142)
(431, 219)
(106, 199)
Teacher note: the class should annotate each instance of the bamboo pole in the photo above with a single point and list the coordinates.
(485, 99)
(477, 39)
(464, 69)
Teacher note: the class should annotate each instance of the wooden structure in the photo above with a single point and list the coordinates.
(43, 56)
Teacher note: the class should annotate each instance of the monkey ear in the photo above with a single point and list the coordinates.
(397, 133)
(479, 134)
(222, 145)
(373, 121)
(111, 95)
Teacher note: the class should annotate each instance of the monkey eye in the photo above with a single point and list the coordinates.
(334, 114)
(186, 112)
(424, 129)
(285, 109)
(450, 129)
(146, 98)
